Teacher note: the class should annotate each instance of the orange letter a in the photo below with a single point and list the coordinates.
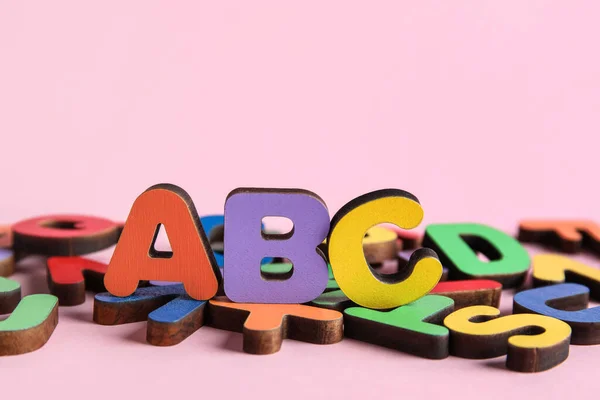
(191, 262)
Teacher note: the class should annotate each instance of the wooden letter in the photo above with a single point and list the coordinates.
(567, 236)
(64, 235)
(570, 297)
(246, 245)
(172, 315)
(191, 262)
(457, 246)
(549, 269)
(69, 277)
(533, 342)
(30, 325)
(356, 278)
(477, 292)
(10, 295)
(411, 328)
(266, 325)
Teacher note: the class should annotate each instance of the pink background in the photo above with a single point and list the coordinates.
(487, 111)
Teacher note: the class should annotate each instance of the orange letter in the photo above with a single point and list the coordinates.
(191, 262)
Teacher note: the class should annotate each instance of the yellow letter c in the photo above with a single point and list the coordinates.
(345, 249)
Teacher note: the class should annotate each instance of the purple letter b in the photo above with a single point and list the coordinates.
(246, 245)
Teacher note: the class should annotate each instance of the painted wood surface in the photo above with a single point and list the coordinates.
(265, 326)
(415, 328)
(354, 275)
(550, 269)
(458, 246)
(246, 245)
(30, 325)
(135, 258)
(171, 314)
(70, 277)
(532, 342)
(64, 235)
(569, 236)
(567, 302)
(10, 295)
(214, 228)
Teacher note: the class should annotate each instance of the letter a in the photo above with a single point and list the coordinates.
(191, 262)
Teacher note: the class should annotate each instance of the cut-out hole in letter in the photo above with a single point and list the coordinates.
(277, 228)
(276, 271)
(160, 247)
(485, 250)
(62, 224)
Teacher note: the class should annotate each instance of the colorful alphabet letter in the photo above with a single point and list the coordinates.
(69, 277)
(549, 269)
(64, 235)
(266, 325)
(356, 278)
(457, 246)
(246, 245)
(172, 315)
(191, 262)
(30, 325)
(567, 302)
(413, 328)
(533, 342)
(567, 236)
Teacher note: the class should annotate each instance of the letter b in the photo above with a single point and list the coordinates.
(246, 245)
